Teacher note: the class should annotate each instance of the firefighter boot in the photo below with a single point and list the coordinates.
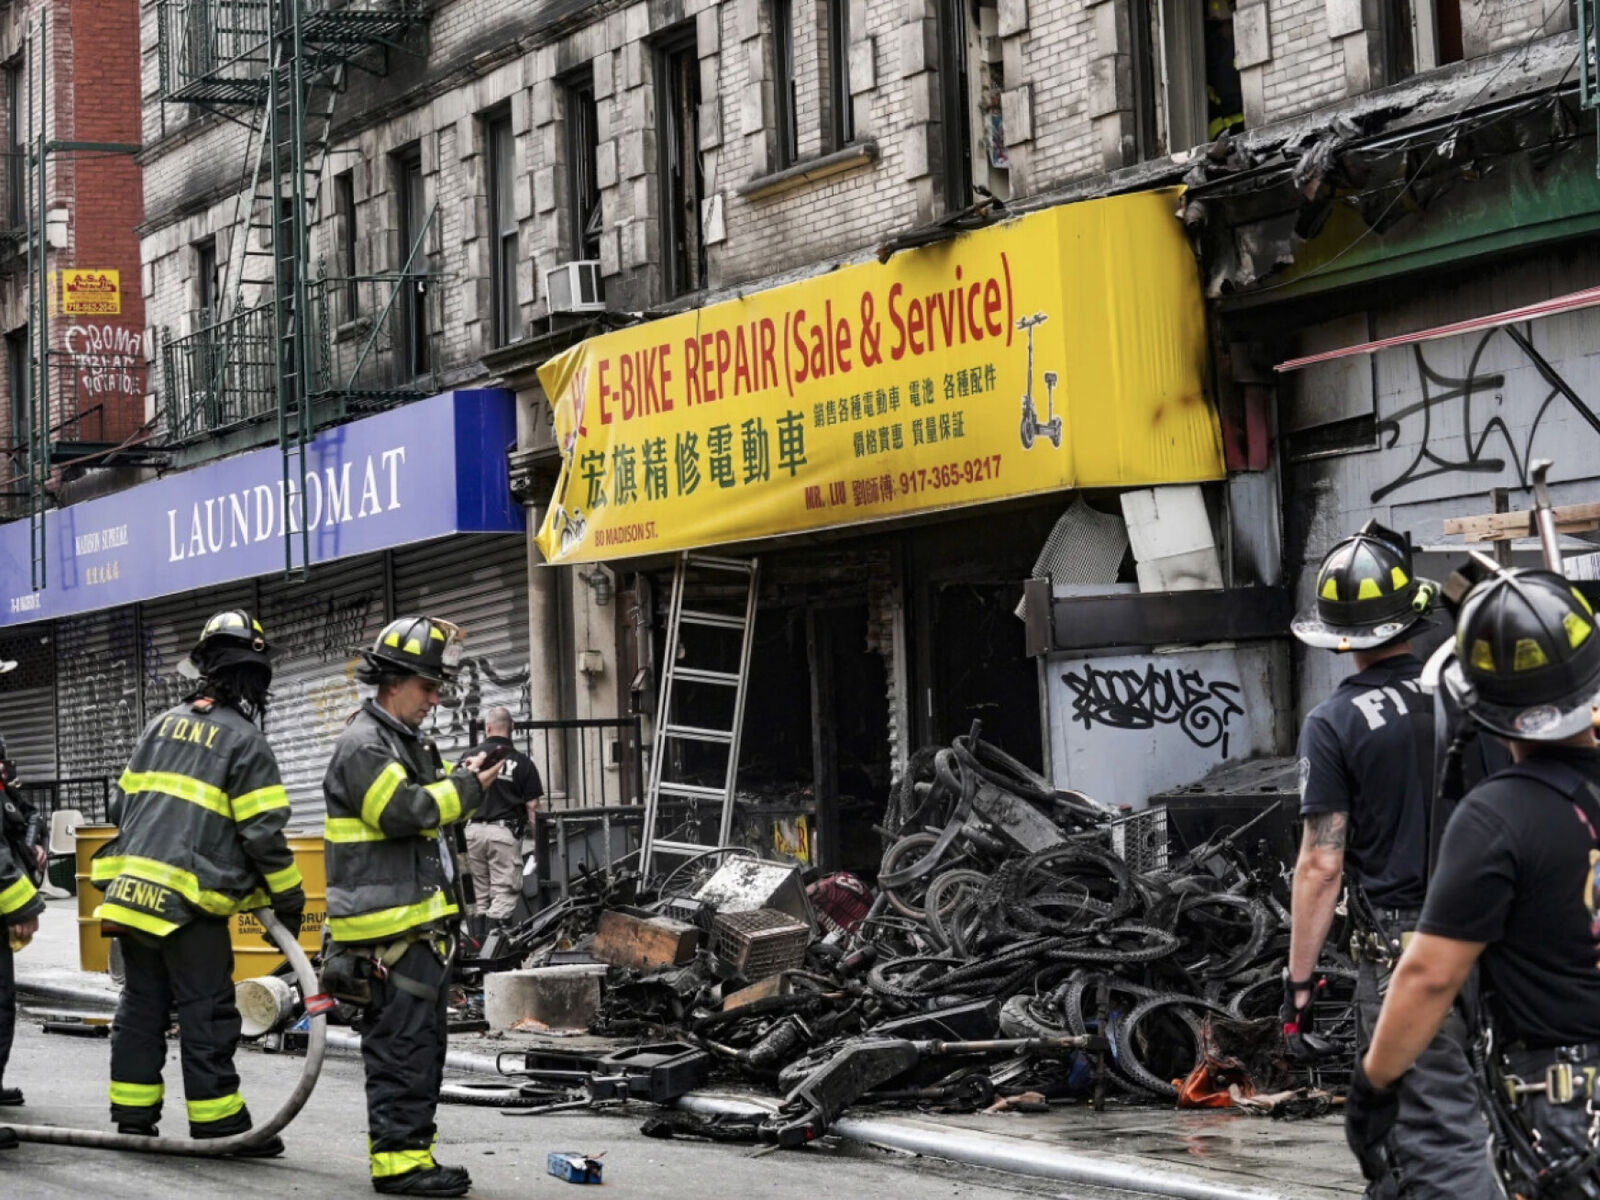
(437, 1180)
(10, 1097)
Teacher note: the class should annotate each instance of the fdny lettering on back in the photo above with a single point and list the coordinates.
(188, 729)
(1380, 704)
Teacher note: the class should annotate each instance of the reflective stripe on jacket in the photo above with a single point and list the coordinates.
(200, 817)
(388, 797)
(19, 899)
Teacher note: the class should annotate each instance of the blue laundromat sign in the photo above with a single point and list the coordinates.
(430, 469)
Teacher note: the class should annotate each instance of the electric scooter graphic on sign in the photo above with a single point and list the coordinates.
(1032, 427)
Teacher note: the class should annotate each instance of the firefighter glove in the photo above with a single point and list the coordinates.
(290, 916)
(1370, 1113)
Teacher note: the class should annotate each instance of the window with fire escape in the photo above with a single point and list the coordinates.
(682, 180)
(412, 345)
(783, 84)
(344, 212)
(206, 284)
(19, 382)
(16, 152)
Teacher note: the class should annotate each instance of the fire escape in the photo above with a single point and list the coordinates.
(289, 341)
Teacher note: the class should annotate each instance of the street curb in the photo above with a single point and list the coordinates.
(994, 1152)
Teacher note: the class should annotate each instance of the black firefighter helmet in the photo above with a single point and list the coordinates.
(1368, 595)
(230, 638)
(422, 646)
(1527, 662)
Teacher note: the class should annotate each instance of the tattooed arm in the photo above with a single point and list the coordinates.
(1318, 873)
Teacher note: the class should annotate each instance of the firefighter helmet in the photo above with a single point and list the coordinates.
(1368, 595)
(230, 638)
(1527, 661)
(416, 646)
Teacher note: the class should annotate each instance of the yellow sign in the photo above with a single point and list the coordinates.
(1058, 350)
(86, 293)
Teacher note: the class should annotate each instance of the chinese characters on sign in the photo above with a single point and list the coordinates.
(1007, 362)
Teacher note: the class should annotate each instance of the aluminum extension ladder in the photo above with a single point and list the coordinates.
(711, 630)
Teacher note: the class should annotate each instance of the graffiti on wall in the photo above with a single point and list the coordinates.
(1453, 426)
(479, 686)
(324, 628)
(105, 359)
(1201, 709)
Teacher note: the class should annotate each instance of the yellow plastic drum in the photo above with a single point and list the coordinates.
(94, 951)
(252, 957)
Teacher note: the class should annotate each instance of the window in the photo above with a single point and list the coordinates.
(413, 203)
(207, 284)
(1420, 35)
(1224, 92)
(970, 109)
(783, 89)
(1186, 88)
(503, 229)
(841, 104)
(16, 154)
(583, 155)
(344, 211)
(20, 383)
(682, 182)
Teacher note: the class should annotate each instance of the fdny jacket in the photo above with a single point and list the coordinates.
(19, 899)
(200, 814)
(388, 797)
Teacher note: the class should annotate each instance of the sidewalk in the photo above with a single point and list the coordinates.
(1213, 1155)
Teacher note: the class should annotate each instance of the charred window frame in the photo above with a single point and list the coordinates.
(584, 209)
(786, 120)
(841, 103)
(953, 84)
(1145, 70)
(680, 179)
(411, 194)
(344, 209)
(1420, 35)
(501, 153)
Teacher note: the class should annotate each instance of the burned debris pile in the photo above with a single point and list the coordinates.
(1023, 946)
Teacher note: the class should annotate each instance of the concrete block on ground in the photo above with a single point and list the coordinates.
(560, 997)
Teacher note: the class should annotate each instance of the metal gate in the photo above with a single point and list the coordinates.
(318, 629)
(480, 583)
(27, 702)
(96, 706)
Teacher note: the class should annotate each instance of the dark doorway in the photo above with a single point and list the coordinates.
(980, 669)
(850, 745)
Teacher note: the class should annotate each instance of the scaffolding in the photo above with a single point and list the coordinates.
(291, 342)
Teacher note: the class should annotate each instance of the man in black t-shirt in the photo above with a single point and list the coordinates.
(494, 834)
(1515, 886)
(1366, 786)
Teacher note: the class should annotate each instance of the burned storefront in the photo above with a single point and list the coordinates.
(818, 506)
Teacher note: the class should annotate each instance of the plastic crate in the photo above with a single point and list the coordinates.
(760, 943)
(1140, 839)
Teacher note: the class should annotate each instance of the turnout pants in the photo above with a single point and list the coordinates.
(495, 860)
(403, 1047)
(8, 1000)
(1440, 1143)
(192, 968)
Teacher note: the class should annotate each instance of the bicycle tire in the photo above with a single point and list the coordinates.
(483, 1095)
(1019, 1020)
(879, 981)
(1127, 1051)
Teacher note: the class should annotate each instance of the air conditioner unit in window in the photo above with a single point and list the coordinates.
(575, 287)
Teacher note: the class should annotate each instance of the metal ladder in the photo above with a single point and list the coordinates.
(670, 731)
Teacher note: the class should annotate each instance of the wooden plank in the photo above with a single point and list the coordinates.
(644, 943)
(1498, 527)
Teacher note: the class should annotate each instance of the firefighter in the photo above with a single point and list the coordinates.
(1366, 786)
(200, 813)
(1515, 886)
(393, 892)
(21, 861)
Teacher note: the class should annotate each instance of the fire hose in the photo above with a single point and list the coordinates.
(316, 1046)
